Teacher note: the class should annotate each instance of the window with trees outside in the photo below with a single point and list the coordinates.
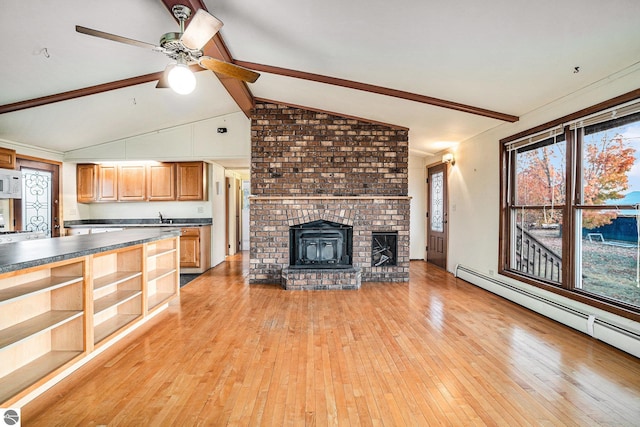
(570, 206)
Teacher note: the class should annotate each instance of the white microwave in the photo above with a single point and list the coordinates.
(10, 184)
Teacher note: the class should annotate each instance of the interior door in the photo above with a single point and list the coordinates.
(437, 215)
(39, 209)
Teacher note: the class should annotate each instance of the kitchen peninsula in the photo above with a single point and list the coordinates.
(63, 300)
(195, 235)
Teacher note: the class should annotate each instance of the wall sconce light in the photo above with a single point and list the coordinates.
(448, 158)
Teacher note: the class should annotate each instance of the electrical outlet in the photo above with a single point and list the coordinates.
(490, 272)
(200, 209)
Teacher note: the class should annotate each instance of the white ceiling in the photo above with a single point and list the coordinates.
(503, 55)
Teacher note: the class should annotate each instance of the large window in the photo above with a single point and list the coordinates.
(571, 206)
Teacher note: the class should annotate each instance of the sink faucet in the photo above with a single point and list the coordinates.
(161, 219)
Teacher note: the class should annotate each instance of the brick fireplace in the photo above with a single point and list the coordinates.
(310, 168)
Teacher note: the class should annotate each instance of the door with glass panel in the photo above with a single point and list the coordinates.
(39, 208)
(437, 216)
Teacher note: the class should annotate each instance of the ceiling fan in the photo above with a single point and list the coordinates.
(185, 48)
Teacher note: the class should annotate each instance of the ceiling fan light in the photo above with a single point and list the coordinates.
(181, 79)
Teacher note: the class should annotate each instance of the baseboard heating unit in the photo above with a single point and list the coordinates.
(621, 333)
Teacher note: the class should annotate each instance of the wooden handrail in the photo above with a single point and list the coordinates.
(535, 259)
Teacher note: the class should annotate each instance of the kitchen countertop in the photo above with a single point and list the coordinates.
(31, 253)
(134, 223)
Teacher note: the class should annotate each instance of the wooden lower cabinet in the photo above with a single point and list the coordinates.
(195, 249)
(54, 315)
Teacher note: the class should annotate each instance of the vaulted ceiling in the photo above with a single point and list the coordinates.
(445, 70)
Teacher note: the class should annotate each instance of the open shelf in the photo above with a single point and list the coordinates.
(114, 299)
(31, 373)
(36, 325)
(108, 327)
(160, 273)
(117, 290)
(114, 278)
(53, 315)
(159, 251)
(36, 286)
(158, 298)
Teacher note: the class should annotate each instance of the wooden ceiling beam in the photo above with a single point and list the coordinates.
(72, 94)
(379, 90)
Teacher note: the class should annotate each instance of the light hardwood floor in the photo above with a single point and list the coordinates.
(435, 351)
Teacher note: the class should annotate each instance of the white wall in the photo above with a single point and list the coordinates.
(474, 190)
(418, 193)
(217, 204)
(193, 141)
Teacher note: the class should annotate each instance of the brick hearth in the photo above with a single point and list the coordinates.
(308, 166)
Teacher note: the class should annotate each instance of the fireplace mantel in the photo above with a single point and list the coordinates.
(294, 197)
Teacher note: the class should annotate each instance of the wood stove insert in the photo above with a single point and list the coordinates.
(321, 244)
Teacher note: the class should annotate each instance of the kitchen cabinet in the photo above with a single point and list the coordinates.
(190, 248)
(117, 290)
(191, 181)
(163, 274)
(7, 158)
(132, 183)
(55, 315)
(137, 182)
(86, 180)
(161, 183)
(107, 183)
(41, 323)
(195, 249)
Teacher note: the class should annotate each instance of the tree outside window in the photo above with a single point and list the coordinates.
(597, 226)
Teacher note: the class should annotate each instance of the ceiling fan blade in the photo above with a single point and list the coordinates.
(229, 69)
(202, 27)
(113, 37)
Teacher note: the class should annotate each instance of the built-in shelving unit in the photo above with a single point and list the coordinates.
(54, 315)
(117, 290)
(41, 323)
(162, 272)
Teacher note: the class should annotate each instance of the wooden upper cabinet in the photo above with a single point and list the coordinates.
(191, 181)
(108, 183)
(86, 183)
(132, 183)
(140, 182)
(161, 181)
(7, 158)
